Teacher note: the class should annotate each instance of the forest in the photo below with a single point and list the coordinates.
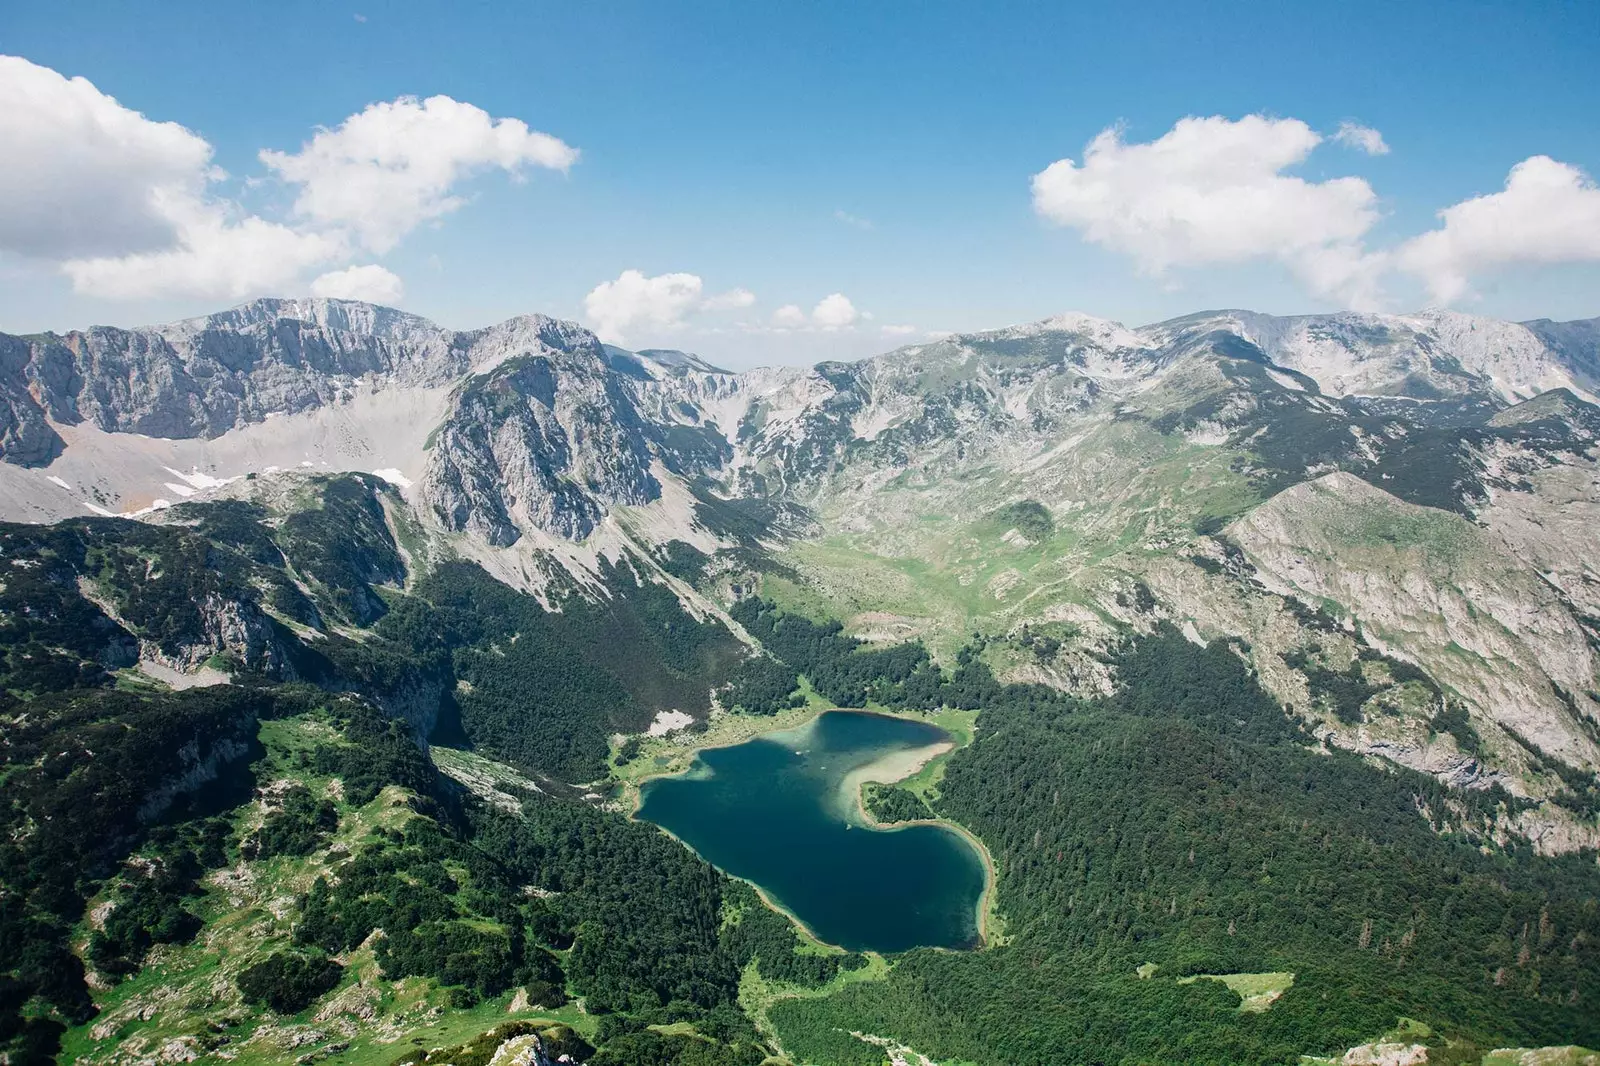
(1187, 822)
(544, 690)
(96, 766)
(1185, 825)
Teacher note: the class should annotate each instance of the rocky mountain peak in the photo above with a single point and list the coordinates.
(260, 316)
(534, 424)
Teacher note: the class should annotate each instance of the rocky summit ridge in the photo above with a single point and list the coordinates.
(205, 379)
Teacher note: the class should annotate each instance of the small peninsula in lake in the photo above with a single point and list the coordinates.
(782, 812)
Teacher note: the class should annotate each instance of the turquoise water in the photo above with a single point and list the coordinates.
(780, 812)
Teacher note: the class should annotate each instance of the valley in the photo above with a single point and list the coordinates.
(1232, 684)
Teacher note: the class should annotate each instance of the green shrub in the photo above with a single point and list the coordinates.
(288, 981)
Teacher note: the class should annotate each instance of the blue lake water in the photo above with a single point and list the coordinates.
(780, 811)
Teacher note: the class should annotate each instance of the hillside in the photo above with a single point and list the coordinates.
(332, 643)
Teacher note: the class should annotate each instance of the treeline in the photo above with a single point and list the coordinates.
(1188, 821)
(541, 688)
(481, 937)
(149, 907)
(298, 827)
(544, 689)
(755, 931)
(838, 666)
(851, 673)
(90, 775)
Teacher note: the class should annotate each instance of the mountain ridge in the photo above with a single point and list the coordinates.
(38, 372)
(1153, 455)
(1275, 647)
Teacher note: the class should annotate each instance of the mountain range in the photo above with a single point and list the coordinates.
(1427, 479)
(1385, 527)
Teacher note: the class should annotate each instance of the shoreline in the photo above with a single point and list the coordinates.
(888, 770)
(892, 768)
(991, 872)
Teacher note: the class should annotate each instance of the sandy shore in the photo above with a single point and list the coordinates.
(904, 764)
(896, 766)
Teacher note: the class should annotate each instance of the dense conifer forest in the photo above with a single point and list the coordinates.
(1189, 823)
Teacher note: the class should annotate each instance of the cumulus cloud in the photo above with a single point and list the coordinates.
(127, 207)
(1362, 138)
(84, 175)
(615, 307)
(732, 300)
(370, 282)
(1213, 190)
(663, 302)
(120, 203)
(382, 172)
(1548, 212)
(855, 221)
(834, 311)
(789, 316)
(213, 257)
(898, 331)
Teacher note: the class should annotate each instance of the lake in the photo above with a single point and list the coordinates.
(781, 812)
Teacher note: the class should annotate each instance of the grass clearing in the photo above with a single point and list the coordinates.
(185, 1003)
(1256, 991)
(757, 994)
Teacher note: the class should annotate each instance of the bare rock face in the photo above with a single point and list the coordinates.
(1434, 475)
(238, 630)
(203, 377)
(544, 441)
(547, 429)
(559, 430)
(544, 428)
(25, 433)
(199, 765)
(1445, 592)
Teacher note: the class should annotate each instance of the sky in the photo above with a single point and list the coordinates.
(766, 183)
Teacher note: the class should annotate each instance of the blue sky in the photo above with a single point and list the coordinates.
(883, 152)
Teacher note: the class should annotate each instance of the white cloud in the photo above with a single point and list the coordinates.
(126, 207)
(664, 302)
(1549, 212)
(834, 311)
(1212, 190)
(615, 307)
(898, 331)
(371, 283)
(394, 165)
(120, 204)
(853, 220)
(85, 176)
(731, 300)
(1363, 138)
(214, 258)
(789, 316)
